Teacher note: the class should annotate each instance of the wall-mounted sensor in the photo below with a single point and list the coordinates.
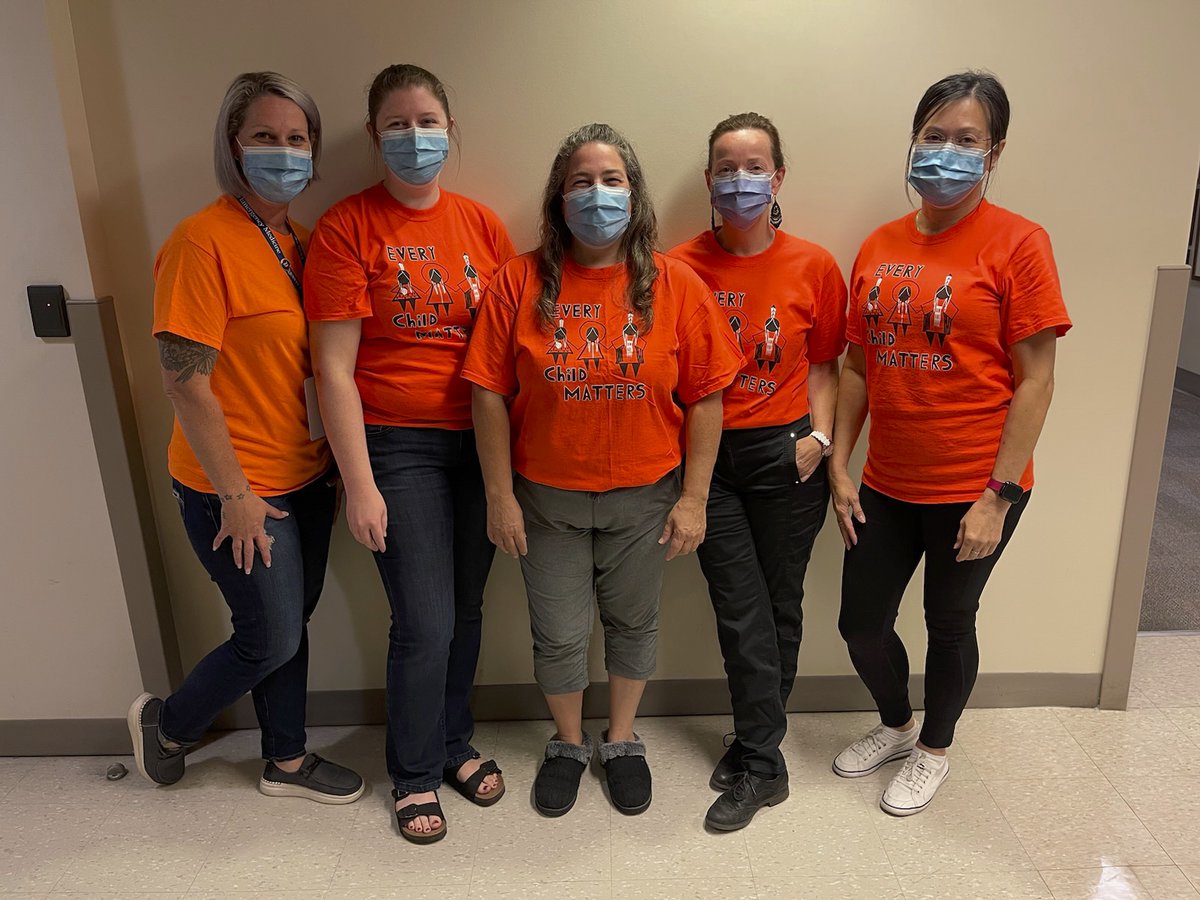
(48, 306)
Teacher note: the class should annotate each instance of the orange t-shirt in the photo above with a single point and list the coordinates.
(596, 403)
(787, 309)
(936, 316)
(416, 277)
(218, 282)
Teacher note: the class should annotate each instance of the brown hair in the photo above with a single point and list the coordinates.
(403, 75)
(637, 243)
(742, 121)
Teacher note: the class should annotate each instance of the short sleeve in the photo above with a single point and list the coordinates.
(335, 278)
(1032, 300)
(709, 357)
(190, 298)
(853, 320)
(505, 249)
(827, 339)
(491, 359)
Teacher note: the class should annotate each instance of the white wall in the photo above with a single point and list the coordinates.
(1090, 81)
(66, 650)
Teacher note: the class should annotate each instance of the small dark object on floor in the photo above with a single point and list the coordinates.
(116, 772)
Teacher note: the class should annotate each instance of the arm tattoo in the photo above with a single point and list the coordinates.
(178, 354)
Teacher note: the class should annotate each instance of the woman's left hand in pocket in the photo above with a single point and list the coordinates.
(809, 453)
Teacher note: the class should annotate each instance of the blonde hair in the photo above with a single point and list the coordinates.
(244, 90)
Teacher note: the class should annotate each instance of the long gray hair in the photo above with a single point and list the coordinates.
(244, 90)
(637, 243)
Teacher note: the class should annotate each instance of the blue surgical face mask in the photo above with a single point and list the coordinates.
(943, 174)
(742, 197)
(597, 215)
(277, 174)
(415, 155)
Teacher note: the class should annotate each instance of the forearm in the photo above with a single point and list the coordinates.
(341, 412)
(492, 440)
(1022, 428)
(703, 422)
(203, 423)
(822, 395)
(851, 411)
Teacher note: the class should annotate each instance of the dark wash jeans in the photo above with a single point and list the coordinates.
(434, 567)
(874, 575)
(762, 522)
(268, 651)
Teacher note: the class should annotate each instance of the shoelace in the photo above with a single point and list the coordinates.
(916, 771)
(868, 746)
(741, 787)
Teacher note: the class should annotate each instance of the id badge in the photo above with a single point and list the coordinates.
(316, 428)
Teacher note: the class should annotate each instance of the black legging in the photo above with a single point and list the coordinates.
(874, 575)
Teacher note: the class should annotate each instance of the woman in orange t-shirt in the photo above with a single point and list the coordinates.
(393, 284)
(593, 358)
(233, 345)
(955, 310)
(785, 300)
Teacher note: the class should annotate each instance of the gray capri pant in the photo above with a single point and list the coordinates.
(603, 545)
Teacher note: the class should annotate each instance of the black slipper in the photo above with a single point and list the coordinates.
(470, 787)
(556, 787)
(627, 774)
(406, 814)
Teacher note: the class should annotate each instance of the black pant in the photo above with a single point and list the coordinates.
(874, 575)
(762, 522)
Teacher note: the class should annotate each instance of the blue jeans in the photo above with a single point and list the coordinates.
(268, 652)
(434, 567)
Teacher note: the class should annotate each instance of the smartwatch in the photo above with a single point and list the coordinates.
(1009, 491)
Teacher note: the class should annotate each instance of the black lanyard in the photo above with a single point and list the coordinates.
(284, 262)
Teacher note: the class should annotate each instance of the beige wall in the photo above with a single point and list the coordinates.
(66, 649)
(1103, 152)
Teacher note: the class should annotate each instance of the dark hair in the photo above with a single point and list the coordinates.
(983, 86)
(403, 75)
(637, 243)
(741, 121)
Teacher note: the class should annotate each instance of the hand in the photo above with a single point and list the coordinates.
(809, 453)
(506, 526)
(685, 526)
(243, 518)
(981, 528)
(366, 514)
(845, 505)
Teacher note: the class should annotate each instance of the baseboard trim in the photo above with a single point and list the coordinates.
(1188, 382)
(491, 702)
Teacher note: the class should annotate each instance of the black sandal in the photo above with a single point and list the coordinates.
(470, 787)
(406, 814)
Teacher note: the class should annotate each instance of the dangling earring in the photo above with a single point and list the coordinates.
(776, 215)
(712, 220)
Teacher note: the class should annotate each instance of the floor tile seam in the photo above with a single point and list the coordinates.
(875, 828)
(1016, 834)
(1141, 821)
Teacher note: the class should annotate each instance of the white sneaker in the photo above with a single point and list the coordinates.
(876, 749)
(913, 788)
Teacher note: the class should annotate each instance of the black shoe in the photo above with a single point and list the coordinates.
(627, 774)
(736, 807)
(316, 779)
(557, 784)
(156, 762)
(725, 775)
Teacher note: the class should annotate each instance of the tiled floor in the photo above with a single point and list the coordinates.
(1060, 804)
